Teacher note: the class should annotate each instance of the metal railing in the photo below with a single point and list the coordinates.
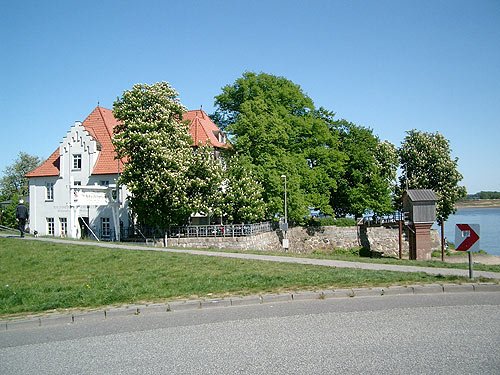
(187, 231)
(220, 230)
(386, 220)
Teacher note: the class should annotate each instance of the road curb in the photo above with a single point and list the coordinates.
(428, 289)
(104, 314)
(458, 288)
(487, 287)
(399, 290)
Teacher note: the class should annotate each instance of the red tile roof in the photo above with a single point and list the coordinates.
(49, 167)
(203, 131)
(101, 123)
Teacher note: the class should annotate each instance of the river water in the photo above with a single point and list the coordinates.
(488, 220)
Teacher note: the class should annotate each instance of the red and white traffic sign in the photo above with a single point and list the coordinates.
(467, 237)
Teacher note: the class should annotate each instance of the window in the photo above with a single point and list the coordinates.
(105, 227)
(77, 161)
(50, 226)
(49, 189)
(63, 225)
(77, 183)
(114, 194)
(104, 182)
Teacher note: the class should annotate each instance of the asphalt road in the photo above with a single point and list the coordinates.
(455, 333)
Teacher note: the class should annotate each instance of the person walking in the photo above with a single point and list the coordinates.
(22, 216)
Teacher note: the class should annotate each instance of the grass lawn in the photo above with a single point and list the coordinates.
(38, 276)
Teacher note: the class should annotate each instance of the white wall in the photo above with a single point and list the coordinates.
(76, 141)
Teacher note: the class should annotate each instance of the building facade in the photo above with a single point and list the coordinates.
(75, 192)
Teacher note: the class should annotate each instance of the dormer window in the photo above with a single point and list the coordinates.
(77, 161)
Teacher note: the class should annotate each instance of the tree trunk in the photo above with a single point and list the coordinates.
(442, 239)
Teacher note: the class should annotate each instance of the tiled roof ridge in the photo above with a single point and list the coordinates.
(199, 125)
(104, 120)
(197, 112)
(195, 128)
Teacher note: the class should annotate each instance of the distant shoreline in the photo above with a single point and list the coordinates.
(479, 203)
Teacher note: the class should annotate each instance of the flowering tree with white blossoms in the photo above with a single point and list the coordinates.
(426, 163)
(243, 195)
(204, 179)
(167, 178)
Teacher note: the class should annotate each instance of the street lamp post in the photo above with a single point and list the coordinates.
(285, 227)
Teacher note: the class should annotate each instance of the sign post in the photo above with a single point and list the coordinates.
(467, 239)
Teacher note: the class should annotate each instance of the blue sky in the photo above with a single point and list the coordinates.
(388, 65)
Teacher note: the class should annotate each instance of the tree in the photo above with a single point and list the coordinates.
(242, 198)
(14, 181)
(167, 178)
(14, 185)
(204, 180)
(489, 195)
(426, 163)
(8, 212)
(273, 124)
(369, 176)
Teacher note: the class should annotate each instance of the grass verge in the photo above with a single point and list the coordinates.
(39, 276)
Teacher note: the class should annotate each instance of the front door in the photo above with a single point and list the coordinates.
(84, 224)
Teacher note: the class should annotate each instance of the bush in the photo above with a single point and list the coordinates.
(355, 251)
(331, 221)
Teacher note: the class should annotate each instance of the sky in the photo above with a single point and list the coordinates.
(389, 65)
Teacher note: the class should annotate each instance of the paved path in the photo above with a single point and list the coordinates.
(283, 259)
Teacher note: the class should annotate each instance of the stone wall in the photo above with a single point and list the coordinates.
(269, 241)
(381, 240)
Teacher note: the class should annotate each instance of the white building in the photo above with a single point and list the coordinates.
(74, 193)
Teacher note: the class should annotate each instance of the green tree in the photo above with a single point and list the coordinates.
(489, 195)
(426, 163)
(8, 213)
(14, 185)
(369, 176)
(273, 124)
(167, 178)
(14, 181)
